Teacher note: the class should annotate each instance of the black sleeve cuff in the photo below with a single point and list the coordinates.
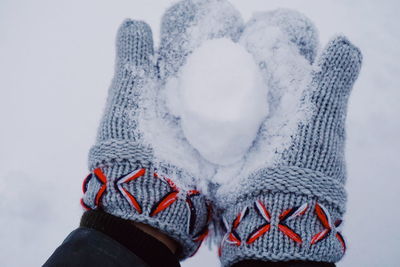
(146, 247)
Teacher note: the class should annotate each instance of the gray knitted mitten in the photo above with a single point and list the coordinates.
(141, 167)
(291, 208)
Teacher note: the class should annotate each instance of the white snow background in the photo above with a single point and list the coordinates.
(56, 64)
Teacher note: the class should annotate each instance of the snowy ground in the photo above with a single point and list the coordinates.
(56, 62)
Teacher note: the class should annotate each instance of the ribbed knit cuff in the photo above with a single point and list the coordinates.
(126, 233)
(283, 214)
(115, 151)
(142, 194)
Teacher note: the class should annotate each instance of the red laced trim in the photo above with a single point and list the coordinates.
(325, 219)
(263, 212)
(165, 202)
(192, 211)
(128, 196)
(232, 237)
(101, 178)
(288, 215)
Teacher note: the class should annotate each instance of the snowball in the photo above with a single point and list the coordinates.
(221, 100)
(287, 73)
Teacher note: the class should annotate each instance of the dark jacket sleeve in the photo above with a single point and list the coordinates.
(105, 240)
(88, 247)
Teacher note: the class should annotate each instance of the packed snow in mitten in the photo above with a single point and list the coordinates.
(229, 96)
(235, 97)
(221, 100)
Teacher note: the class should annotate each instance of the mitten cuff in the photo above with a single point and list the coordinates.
(118, 151)
(282, 223)
(144, 195)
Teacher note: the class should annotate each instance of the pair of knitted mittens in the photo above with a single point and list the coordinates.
(143, 169)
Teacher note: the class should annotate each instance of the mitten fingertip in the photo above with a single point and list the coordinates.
(338, 66)
(340, 50)
(135, 43)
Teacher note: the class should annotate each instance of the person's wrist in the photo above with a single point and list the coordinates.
(163, 238)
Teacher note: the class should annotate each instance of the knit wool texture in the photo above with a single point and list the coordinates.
(311, 171)
(121, 147)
